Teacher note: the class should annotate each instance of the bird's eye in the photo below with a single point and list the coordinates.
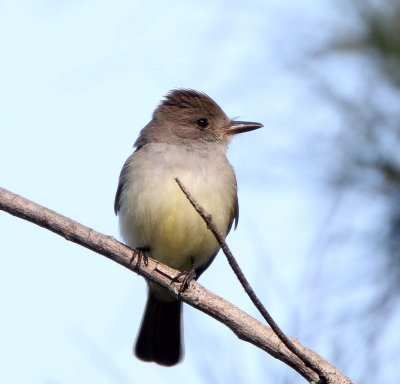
(203, 123)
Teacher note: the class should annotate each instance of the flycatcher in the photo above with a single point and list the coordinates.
(187, 138)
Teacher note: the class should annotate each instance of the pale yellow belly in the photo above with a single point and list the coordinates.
(156, 214)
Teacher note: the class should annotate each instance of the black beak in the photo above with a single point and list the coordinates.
(241, 126)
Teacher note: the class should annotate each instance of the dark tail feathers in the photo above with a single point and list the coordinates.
(159, 337)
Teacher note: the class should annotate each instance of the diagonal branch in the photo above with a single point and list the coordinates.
(243, 325)
(212, 226)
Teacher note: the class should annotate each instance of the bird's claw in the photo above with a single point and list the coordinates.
(141, 255)
(187, 276)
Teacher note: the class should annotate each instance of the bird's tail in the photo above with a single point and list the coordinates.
(159, 338)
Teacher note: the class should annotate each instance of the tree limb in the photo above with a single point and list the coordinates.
(212, 226)
(244, 326)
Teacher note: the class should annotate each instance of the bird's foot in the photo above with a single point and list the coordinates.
(184, 277)
(141, 255)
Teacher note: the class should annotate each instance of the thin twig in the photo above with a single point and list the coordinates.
(250, 292)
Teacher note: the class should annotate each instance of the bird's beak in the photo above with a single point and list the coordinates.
(241, 126)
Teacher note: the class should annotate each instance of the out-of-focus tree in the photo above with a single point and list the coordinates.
(362, 169)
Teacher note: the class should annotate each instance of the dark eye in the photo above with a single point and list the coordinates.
(203, 123)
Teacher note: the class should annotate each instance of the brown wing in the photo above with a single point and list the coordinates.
(123, 177)
(235, 210)
(117, 204)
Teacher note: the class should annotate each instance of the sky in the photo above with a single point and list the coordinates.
(79, 79)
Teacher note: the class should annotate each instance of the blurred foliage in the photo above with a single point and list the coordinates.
(379, 38)
(370, 149)
(382, 35)
(366, 164)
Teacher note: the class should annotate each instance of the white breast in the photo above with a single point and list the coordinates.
(155, 213)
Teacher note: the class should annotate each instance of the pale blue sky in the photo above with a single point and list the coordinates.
(79, 79)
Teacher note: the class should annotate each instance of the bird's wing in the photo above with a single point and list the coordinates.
(235, 210)
(123, 177)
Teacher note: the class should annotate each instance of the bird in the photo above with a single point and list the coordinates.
(187, 138)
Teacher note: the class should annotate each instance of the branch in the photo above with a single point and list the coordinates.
(244, 326)
(212, 226)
